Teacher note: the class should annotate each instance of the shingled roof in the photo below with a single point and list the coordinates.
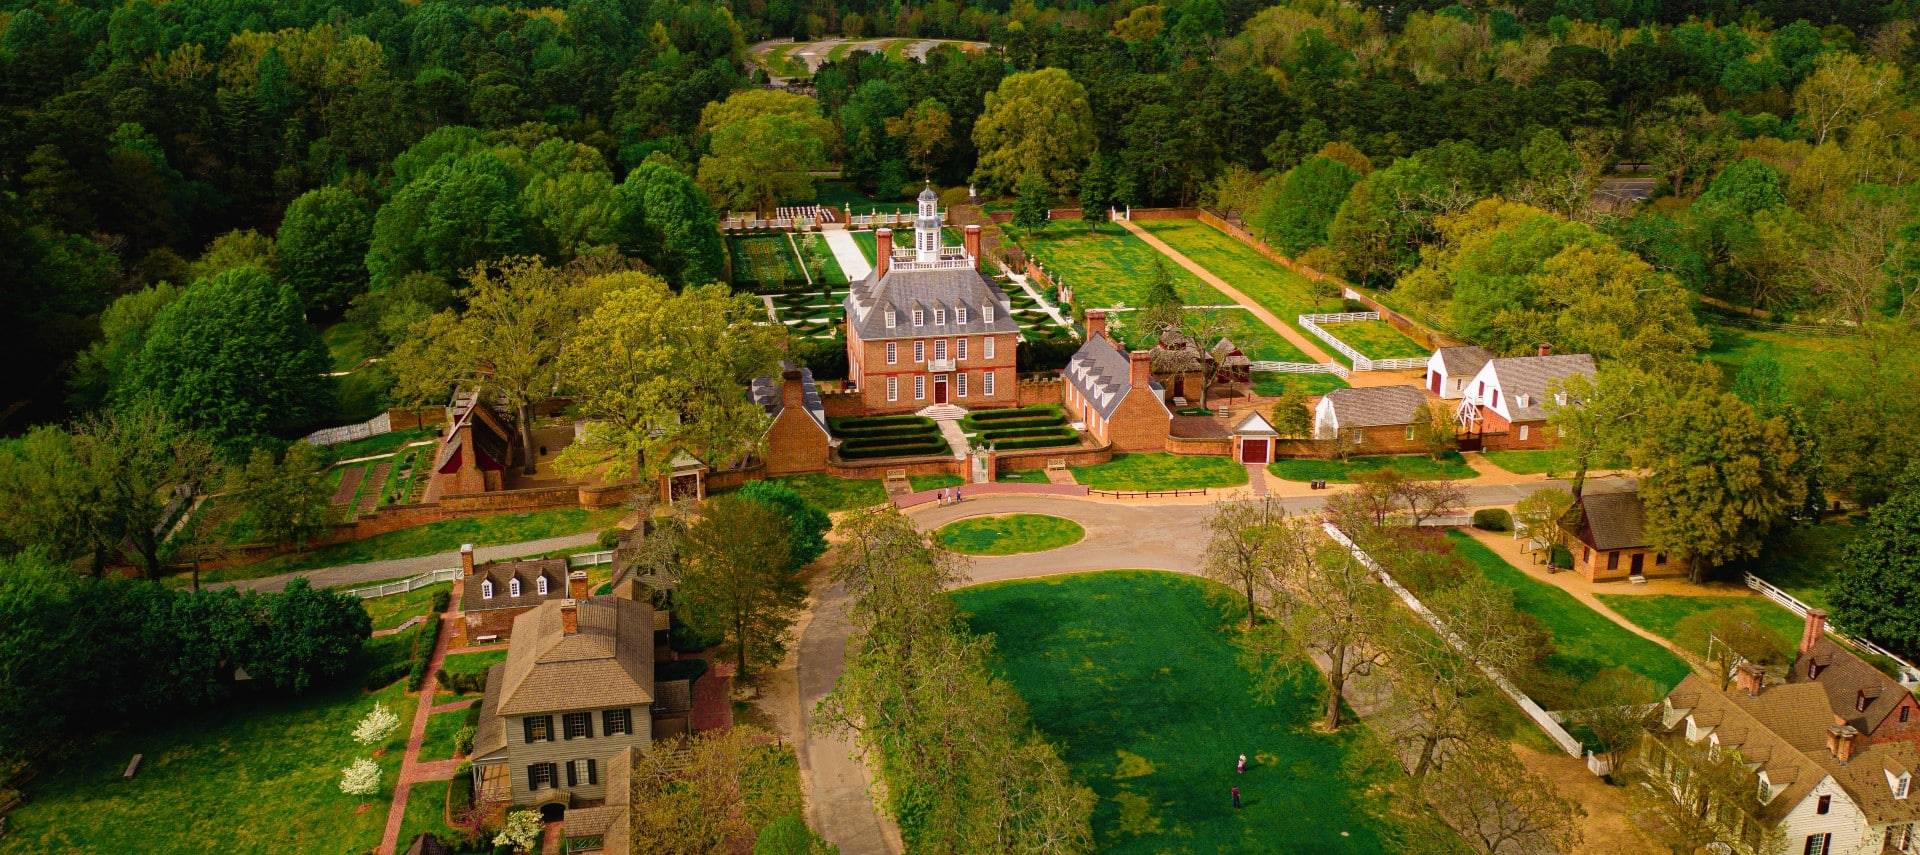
(1848, 680)
(906, 287)
(607, 662)
(1463, 361)
(1530, 376)
(1612, 520)
(1376, 406)
(1099, 370)
(765, 391)
(502, 573)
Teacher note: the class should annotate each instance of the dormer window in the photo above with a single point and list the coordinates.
(1766, 789)
(939, 316)
(540, 586)
(960, 314)
(1560, 398)
(919, 317)
(1901, 784)
(513, 587)
(486, 589)
(986, 313)
(889, 317)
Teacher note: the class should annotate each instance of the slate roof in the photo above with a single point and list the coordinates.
(765, 391)
(1376, 406)
(1784, 730)
(1529, 375)
(501, 572)
(1613, 520)
(1099, 370)
(1845, 677)
(607, 663)
(1465, 360)
(947, 287)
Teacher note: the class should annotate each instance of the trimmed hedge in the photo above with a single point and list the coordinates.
(1492, 519)
(1561, 557)
(1008, 424)
(860, 442)
(888, 430)
(920, 449)
(422, 653)
(465, 684)
(1017, 413)
(856, 422)
(1066, 436)
(1010, 433)
(440, 601)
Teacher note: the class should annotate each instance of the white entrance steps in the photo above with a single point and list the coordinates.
(944, 412)
(956, 438)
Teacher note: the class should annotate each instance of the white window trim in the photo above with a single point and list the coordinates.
(986, 383)
(889, 317)
(919, 351)
(513, 587)
(893, 353)
(940, 316)
(486, 589)
(960, 314)
(919, 317)
(893, 388)
(986, 313)
(939, 348)
(1410, 433)
(540, 586)
(988, 347)
(960, 348)
(1524, 430)
(960, 385)
(919, 387)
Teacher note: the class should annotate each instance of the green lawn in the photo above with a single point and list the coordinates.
(426, 811)
(1660, 614)
(933, 482)
(443, 536)
(259, 775)
(385, 443)
(780, 61)
(869, 242)
(1376, 339)
(1450, 466)
(1252, 335)
(1136, 677)
(1584, 640)
(1109, 267)
(1007, 534)
(395, 609)
(1161, 471)
(1281, 291)
(348, 343)
(1797, 353)
(441, 729)
(359, 396)
(836, 494)
(472, 663)
(829, 267)
(1802, 560)
(1274, 384)
(1023, 476)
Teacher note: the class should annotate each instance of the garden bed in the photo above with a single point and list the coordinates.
(1037, 426)
(866, 437)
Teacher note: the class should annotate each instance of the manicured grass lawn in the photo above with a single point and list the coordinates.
(933, 482)
(1110, 266)
(1450, 466)
(1281, 291)
(441, 729)
(1007, 534)
(1254, 338)
(426, 810)
(348, 342)
(1024, 476)
(1584, 640)
(781, 63)
(1803, 560)
(395, 609)
(1376, 339)
(1544, 461)
(1275, 384)
(836, 494)
(443, 536)
(869, 243)
(1660, 614)
(259, 775)
(829, 267)
(1795, 352)
(359, 396)
(473, 663)
(1161, 471)
(1135, 676)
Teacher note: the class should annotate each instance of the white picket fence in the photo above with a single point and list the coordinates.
(1311, 323)
(1909, 674)
(1527, 705)
(448, 574)
(1302, 368)
(375, 426)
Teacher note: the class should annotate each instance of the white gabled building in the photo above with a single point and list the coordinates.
(1505, 401)
(1450, 368)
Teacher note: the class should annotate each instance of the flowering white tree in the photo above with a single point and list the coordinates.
(360, 779)
(522, 831)
(376, 726)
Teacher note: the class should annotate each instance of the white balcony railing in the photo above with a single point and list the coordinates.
(940, 365)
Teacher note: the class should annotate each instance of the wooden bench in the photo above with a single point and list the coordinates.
(485, 639)
(133, 766)
(1056, 464)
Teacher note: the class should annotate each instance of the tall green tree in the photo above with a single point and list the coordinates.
(284, 500)
(143, 465)
(739, 579)
(1877, 591)
(1301, 208)
(664, 218)
(1718, 478)
(762, 148)
(323, 244)
(807, 523)
(1036, 125)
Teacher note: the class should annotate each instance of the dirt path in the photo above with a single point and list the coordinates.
(1297, 338)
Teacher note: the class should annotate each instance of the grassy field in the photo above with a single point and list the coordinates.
(1796, 353)
(1803, 560)
(1274, 384)
(426, 811)
(1109, 267)
(836, 494)
(1375, 340)
(829, 268)
(933, 482)
(444, 536)
(1024, 476)
(1136, 677)
(780, 61)
(259, 775)
(1008, 534)
(1281, 291)
(1254, 338)
(1584, 640)
(385, 443)
(394, 609)
(1450, 466)
(1161, 471)
(348, 344)
(1660, 614)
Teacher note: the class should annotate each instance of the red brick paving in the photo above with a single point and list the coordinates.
(411, 769)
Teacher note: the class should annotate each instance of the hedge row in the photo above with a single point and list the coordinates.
(1062, 436)
(859, 442)
(1009, 433)
(1017, 413)
(918, 449)
(877, 421)
(1007, 424)
(423, 653)
(889, 430)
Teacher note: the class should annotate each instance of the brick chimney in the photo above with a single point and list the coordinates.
(569, 617)
(577, 585)
(1543, 349)
(1810, 632)
(882, 251)
(793, 394)
(1096, 322)
(466, 560)
(1140, 368)
(972, 243)
(1749, 679)
(1842, 739)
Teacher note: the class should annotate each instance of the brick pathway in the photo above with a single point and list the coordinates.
(412, 770)
(1257, 478)
(1297, 338)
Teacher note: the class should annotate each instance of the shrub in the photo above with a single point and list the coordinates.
(839, 424)
(1493, 519)
(1562, 557)
(893, 448)
(440, 601)
(1006, 424)
(610, 539)
(1035, 411)
(683, 638)
(463, 739)
(789, 835)
(383, 675)
(888, 431)
(460, 797)
(464, 683)
(1009, 433)
(422, 653)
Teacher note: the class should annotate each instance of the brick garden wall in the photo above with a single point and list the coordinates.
(1142, 214)
(878, 469)
(1040, 391)
(1025, 459)
(843, 403)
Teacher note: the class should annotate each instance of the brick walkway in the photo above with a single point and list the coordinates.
(1257, 478)
(412, 770)
(1295, 337)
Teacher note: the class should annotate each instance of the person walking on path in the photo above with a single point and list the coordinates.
(1236, 798)
(1241, 766)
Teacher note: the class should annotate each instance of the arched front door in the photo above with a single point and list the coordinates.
(552, 812)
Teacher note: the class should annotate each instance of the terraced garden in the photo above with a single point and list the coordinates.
(764, 262)
(1038, 426)
(369, 485)
(1109, 267)
(1035, 323)
(813, 314)
(1279, 290)
(866, 437)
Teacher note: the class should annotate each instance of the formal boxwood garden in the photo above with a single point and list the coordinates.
(1037, 426)
(865, 437)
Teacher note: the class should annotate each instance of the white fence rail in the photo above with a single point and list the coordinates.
(590, 559)
(1302, 368)
(1311, 323)
(375, 426)
(1527, 705)
(1909, 673)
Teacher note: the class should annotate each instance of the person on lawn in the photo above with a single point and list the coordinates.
(1241, 766)
(1236, 798)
